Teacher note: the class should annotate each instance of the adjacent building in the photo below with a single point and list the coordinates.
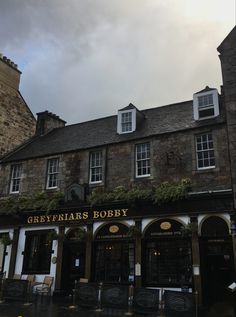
(17, 123)
(145, 197)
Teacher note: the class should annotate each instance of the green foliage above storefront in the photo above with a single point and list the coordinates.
(165, 192)
(158, 194)
(39, 201)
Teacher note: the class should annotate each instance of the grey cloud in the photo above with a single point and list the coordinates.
(84, 59)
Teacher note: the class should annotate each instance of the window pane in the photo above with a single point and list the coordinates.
(96, 167)
(53, 172)
(126, 121)
(15, 178)
(168, 262)
(205, 151)
(143, 159)
(37, 254)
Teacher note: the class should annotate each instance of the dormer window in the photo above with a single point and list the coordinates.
(126, 119)
(206, 104)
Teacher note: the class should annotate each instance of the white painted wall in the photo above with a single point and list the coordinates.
(20, 256)
(8, 251)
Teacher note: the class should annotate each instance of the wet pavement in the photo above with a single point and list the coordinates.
(65, 308)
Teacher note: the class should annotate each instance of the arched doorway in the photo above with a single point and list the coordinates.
(167, 255)
(113, 255)
(216, 259)
(73, 262)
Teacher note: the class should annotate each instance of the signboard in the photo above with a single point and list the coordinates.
(146, 300)
(87, 295)
(15, 289)
(78, 216)
(114, 296)
(179, 304)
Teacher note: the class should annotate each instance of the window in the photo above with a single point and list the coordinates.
(206, 104)
(15, 178)
(205, 151)
(126, 121)
(37, 254)
(96, 167)
(168, 262)
(53, 172)
(143, 160)
(114, 261)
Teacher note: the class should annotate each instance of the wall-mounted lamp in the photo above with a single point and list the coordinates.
(196, 269)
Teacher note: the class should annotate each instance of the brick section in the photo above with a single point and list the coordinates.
(48, 121)
(9, 74)
(17, 124)
(227, 51)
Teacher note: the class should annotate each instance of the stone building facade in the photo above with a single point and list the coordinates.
(141, 197)
(17, 123)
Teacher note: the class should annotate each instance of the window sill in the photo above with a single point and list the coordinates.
(49, 189)
(94, 184)
(143, 176)
(206, 170)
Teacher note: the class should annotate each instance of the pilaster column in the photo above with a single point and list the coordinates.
(197, 284)
(88, 256)
(138, 252)
(60, 246)
(233, 235)
(14, 248)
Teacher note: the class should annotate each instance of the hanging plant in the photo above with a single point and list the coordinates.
(5, 239)
(158, 194)
(133, 232)
(38, 201)
(79, 234)
(189, 229)
(52, 235)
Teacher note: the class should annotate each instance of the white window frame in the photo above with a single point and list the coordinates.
(120, 123)
(205, 148)
(16, 174)
(146, 159)
(197, 108)
(52, 172)
(96, 167)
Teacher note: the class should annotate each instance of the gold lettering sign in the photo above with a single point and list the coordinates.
(165, 225)
(76, 216)
(114, 229)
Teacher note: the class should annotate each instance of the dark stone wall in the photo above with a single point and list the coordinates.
(228, 64)
(172, 158)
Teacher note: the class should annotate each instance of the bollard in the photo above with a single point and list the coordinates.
(196, 303)
(1, 293)
(99, 309)
(130, 301)
(73, 306)
(162, 302)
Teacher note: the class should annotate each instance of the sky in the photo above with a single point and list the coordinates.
(85, 59)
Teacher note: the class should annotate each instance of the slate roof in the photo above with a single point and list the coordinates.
(100, 132)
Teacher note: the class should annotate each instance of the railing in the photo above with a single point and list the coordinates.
(141, 300)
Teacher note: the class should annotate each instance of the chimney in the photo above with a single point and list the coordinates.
(47, 121)
(9, 74)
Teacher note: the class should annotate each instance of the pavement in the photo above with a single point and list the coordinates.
(65, 308)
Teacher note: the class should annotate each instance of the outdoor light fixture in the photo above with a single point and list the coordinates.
(196, 269)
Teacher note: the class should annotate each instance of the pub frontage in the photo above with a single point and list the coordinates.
(120, 246)
(143, 197)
